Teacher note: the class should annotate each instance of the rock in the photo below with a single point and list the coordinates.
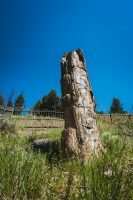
(42, 141)
(81, 135)
(108, 173)
(43, 144)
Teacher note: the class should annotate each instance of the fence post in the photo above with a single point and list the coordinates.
(12, 110)
(110, 117)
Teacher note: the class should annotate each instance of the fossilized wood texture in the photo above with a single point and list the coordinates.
(81, 135)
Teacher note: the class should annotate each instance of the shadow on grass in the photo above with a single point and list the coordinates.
(47, 146)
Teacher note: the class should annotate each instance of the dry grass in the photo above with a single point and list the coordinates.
(28, 175)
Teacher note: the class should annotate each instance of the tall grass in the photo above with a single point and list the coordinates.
(27, 175)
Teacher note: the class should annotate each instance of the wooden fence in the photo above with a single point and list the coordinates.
(115, 117)
(9, 111)
(29, 118)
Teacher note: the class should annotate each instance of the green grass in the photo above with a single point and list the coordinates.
(27, 175)
(55, 134)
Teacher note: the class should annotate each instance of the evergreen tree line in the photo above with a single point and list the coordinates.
(53, 102)
(18, 103)
(116, 107)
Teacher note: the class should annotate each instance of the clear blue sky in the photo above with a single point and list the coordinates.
(35, 34)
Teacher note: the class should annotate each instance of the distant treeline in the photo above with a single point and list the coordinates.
(52, 101)
(116, 107)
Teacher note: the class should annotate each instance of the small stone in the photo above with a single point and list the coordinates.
(42, 141)
(108, 173)
(42, 145)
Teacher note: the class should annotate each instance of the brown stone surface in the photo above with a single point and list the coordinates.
(80, 136)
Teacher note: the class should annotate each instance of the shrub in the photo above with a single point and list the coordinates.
(6, 127)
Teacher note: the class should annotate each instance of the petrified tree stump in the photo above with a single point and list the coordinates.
(81, 136)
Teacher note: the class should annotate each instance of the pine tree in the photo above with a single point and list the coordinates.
(9, 103)
(37, 105)
(19, 104)
(116, 106)
(2, 101)
(51, 101)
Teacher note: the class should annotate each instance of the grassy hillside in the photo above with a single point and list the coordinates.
(26, 174)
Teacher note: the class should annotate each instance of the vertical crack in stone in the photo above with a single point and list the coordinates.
(81, 135)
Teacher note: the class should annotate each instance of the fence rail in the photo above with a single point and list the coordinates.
(11, 111)
(4, 110)
(38, 120)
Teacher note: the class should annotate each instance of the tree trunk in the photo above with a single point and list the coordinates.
(81, 135)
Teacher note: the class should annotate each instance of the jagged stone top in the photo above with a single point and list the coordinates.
(74, 59)
(77, 53)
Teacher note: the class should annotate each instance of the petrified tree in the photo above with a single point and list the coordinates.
(81, 136)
